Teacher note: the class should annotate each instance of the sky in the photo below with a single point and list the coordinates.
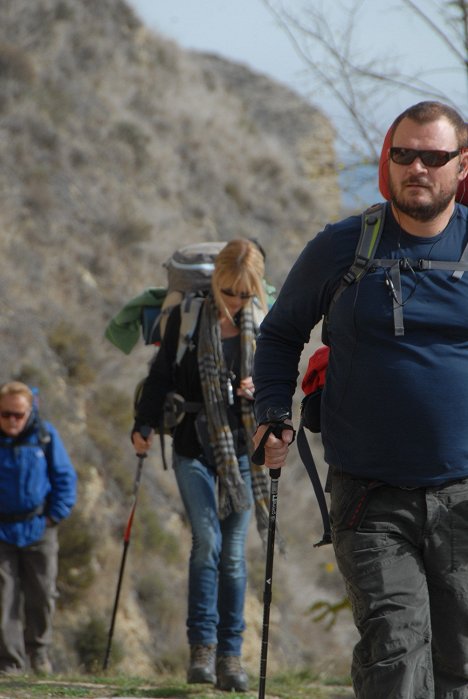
(242, 30)
(246, 31)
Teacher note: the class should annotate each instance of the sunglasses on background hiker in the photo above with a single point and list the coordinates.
(430, 158)
(6, 414)
(243, 295)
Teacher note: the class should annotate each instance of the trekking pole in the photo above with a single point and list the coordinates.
(274, 476)
(258, 457)
(126, 540)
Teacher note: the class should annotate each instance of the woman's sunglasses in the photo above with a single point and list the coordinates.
(430, 158)
(6, 414)
(243, 295)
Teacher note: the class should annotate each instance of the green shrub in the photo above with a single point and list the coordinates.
(15, 64)
(91, 643)
(328, 612)
(63, 12)
(131, 134)
(77, 544)
(113, 406)
(33, 376)
(109, 413)
(256, 572)
(37, 193)
(74, 350)
(56, 102)
(154, 538)
(157, 601)
(233, 191)
(131, 230)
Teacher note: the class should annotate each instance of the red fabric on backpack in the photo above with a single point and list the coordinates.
(314, 377)
(462, 192)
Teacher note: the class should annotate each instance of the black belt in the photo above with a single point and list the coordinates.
(10, 517)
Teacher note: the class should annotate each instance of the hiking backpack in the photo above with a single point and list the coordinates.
(372, 223)
(189, 271)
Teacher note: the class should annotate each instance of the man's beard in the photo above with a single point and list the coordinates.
(423, 211)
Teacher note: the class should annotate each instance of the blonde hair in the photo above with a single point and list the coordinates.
(239, 266)
(16, 388)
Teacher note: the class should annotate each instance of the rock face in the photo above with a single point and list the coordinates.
(117, 146)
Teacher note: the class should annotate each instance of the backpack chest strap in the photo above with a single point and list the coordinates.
(405, 263)
(394, 278)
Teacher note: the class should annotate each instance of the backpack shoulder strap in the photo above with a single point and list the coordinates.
(189, 313)
(44, 438)
(372, 223)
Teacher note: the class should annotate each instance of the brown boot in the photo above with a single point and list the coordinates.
(230, 675)
(202, 664)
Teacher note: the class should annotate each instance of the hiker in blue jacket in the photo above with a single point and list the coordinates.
(37, 491)
(394, 411)
(211, 456)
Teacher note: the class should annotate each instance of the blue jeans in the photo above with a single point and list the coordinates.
(217, 569)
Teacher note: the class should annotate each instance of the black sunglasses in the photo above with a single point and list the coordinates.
(243, 295)
(11, 413)
(430, 158)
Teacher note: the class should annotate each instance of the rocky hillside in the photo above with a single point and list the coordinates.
(117, 146)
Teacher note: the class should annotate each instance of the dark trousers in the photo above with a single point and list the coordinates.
(27, 599)
(405, 563)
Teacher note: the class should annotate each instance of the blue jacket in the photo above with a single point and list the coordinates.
(34, 473)
(394, 408)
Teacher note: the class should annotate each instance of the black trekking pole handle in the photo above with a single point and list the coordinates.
(144, 431)
(258, 457)
(277, 428)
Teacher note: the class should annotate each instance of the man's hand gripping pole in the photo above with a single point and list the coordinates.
(276, 421)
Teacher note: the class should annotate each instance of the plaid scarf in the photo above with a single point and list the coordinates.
(214, 377)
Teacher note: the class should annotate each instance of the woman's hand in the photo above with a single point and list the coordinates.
(246, 388)
(141, 444)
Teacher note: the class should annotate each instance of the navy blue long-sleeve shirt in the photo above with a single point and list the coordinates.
(394, 408)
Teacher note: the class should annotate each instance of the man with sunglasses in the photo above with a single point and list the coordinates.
(394, 411)
(37, 491)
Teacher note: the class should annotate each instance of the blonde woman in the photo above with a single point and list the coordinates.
(211, 456)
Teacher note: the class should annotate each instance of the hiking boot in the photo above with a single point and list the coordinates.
(230, 675)
(202, 664)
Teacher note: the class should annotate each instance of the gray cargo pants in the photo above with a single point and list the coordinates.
(27, 599)
(404, 558)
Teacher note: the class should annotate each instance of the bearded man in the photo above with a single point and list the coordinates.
(394, 411)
